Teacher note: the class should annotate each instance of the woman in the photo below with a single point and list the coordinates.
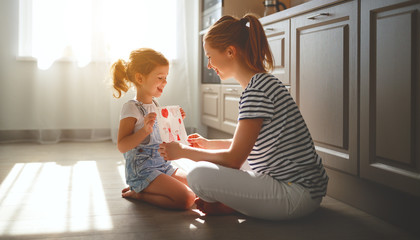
(287, 179)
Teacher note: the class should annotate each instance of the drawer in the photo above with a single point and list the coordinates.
(210, 88)
(275, 28)
(335, 13)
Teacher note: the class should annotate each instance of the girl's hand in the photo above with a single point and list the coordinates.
(182, 113)
(197, 141)
(170, 151)
(149, 121)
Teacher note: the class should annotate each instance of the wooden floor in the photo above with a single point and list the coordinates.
(73, 191)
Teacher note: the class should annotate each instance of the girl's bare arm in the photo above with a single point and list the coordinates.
(127, 140)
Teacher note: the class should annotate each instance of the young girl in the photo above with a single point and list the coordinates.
(287, 179)
(150, 178)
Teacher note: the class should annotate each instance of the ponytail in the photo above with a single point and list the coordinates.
(259, 55)
(119, 77)
(250, 41)
(142, 61)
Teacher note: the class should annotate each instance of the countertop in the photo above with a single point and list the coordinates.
(297, 10)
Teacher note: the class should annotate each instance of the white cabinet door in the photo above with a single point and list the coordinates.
(210, 105)
(220, 106)
(230, 107)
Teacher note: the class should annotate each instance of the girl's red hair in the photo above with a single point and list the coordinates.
(142, 61)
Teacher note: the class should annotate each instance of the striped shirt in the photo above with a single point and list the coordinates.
(284, 148)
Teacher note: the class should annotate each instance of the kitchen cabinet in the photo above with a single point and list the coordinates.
(220, 106)
(230, 107)
(323, 74)
(279, 40)
(365, 122)
(210, 106)
(354, 71)
(390, 94)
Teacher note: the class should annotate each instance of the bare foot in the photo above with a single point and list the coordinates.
(127, 193)
(126, 189)
(216, 208)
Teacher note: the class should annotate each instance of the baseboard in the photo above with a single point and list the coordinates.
(213, 133)
(395, 207)
(54, 135)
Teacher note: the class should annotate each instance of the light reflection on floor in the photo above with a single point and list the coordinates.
(39, 198)
(121, 171)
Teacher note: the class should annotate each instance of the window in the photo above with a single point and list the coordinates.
(95, 30)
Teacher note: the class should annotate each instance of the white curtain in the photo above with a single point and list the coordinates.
(65, 94)
(97, 30)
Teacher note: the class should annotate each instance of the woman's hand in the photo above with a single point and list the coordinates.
(170, 151)
(197, 141)
(149, 121)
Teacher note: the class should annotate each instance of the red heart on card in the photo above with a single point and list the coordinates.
(165, 113)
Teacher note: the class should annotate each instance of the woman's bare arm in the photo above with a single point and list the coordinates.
(200, 142)
(243, 141)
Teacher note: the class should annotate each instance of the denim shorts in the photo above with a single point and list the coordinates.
(143, 164)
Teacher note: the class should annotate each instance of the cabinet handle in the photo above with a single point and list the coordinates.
(269, 29)
(313, 17)
(231, 90)
(208, 89)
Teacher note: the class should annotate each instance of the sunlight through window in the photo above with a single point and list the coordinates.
(192, 227)
(241, 220)
(200, 220)
(60, 198)
(121, 171)
(199, 212)
(89, 30)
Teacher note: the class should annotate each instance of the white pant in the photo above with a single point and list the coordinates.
(250, 193)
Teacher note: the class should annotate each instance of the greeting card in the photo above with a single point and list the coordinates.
(171, 125)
